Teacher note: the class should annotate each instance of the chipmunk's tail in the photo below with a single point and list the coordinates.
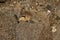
(16, 18)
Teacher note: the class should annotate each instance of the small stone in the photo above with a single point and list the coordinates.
(48, 11)
(28, 5)
(32, 7)
(54, 29)
(36, 3)
(15, 2)
(57, 0)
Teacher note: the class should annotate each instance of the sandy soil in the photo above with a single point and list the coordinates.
(43, 20)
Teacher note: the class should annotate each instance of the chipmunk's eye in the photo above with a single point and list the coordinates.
(2, 1)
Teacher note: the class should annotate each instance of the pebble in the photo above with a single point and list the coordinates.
(54, 29)
(49, 11)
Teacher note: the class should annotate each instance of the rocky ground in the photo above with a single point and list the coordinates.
(30, 20)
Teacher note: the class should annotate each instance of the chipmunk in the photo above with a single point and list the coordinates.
(26, 16)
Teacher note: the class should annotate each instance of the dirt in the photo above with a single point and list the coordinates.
(45, 14)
